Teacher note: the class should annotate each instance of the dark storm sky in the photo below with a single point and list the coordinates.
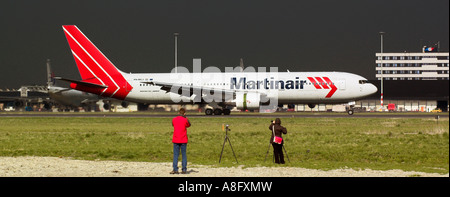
(137, 36)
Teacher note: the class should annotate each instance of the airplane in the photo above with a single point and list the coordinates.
(67, 97)
(244, 90)
(73, 99)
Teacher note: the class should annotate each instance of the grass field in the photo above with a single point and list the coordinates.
(410, 144)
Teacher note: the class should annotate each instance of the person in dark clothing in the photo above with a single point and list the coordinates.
(277, 130)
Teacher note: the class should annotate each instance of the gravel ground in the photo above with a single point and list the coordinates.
(66, 167)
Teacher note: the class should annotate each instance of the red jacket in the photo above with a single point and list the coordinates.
(180, 124)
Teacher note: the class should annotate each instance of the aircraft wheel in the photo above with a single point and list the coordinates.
(226, 111)
(217, 111)
(350, 112)
(208, 112)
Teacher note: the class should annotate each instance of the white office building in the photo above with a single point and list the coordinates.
(413, 66)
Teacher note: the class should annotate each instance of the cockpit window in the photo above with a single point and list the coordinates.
(363, 81)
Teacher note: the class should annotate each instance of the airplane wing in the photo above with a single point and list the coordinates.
(178, 89)
(87, 101)
(59, 90)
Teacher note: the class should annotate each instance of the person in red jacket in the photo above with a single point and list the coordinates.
(180, 140)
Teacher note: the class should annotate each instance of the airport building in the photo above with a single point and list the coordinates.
(412, 66)
(27, 98)
(417, 81)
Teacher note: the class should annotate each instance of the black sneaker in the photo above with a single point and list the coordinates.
(174, 172)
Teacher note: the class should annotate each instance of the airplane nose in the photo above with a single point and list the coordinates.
(373, 89)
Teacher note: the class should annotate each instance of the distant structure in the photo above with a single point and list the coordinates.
(176, 34)
(426, 65)
(413, 81)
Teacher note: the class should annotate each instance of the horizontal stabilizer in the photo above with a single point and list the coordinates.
(87, 84)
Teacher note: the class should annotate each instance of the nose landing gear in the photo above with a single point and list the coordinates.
(350, 111)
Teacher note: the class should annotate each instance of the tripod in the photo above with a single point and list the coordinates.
(223, 146)
(273, 158)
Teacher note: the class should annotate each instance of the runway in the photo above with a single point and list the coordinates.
(233, 115)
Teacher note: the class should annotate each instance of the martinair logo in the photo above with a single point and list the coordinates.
(271, 83)
(324, 83)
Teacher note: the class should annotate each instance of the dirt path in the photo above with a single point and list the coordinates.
(65, 167)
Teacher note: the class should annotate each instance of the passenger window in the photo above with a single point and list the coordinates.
(363, 81)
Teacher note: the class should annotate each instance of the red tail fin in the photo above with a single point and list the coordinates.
(94, 67)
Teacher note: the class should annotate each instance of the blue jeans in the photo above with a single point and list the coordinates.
(176, 153)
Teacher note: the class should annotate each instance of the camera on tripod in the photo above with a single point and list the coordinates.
(226, 129)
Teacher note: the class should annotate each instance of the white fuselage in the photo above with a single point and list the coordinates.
(287, 87)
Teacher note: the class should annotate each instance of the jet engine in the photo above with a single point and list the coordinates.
(107, 106)
(124, 104)
(311, 105)
(248, 101)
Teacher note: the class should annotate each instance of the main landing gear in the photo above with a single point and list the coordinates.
(217, 111)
